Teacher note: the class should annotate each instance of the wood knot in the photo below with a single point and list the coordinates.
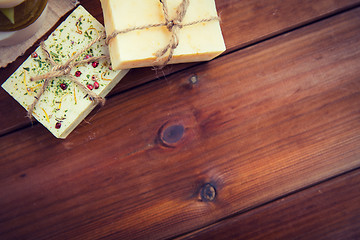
(193, 79)
(191, 82)
(170, 135)
(208, 193)
(23, 175)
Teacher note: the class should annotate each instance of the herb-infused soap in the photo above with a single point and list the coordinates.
(64, 104)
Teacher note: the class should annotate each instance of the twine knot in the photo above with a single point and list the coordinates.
(59, 70)
(171, 24)
(62, 69)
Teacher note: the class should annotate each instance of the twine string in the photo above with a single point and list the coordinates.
(173, 25)
(59, 70)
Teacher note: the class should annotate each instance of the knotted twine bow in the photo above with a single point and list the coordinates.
(173, 25)
(64, 70)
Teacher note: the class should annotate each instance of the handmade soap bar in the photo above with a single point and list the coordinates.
(138, 48)
(64, 104)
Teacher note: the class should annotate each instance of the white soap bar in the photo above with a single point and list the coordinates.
(198, 42)
(64, 104)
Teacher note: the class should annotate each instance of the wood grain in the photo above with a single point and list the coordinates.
(243, 23)
(258, 124)
(298, 216)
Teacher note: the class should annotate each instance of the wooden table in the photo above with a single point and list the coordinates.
(261, 143)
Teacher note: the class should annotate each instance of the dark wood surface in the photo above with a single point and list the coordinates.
(264, 145)
(297, 216)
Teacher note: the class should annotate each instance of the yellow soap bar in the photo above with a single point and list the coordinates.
(64, 104)
(197, 42)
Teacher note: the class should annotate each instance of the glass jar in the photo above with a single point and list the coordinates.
(20, 19)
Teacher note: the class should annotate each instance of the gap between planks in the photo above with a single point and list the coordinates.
(328, 180)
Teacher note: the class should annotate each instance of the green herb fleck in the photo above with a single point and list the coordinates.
(87, 35)
(39, 62)
(54, 54)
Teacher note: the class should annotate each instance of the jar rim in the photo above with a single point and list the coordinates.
(35, 14)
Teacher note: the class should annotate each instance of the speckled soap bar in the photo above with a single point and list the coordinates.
(64, 105)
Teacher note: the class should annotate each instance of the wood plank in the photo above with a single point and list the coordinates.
(259, 123)
(243, 23)
(338, 200)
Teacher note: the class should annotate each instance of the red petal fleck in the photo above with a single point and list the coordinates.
(95, 64)
(58, 125)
